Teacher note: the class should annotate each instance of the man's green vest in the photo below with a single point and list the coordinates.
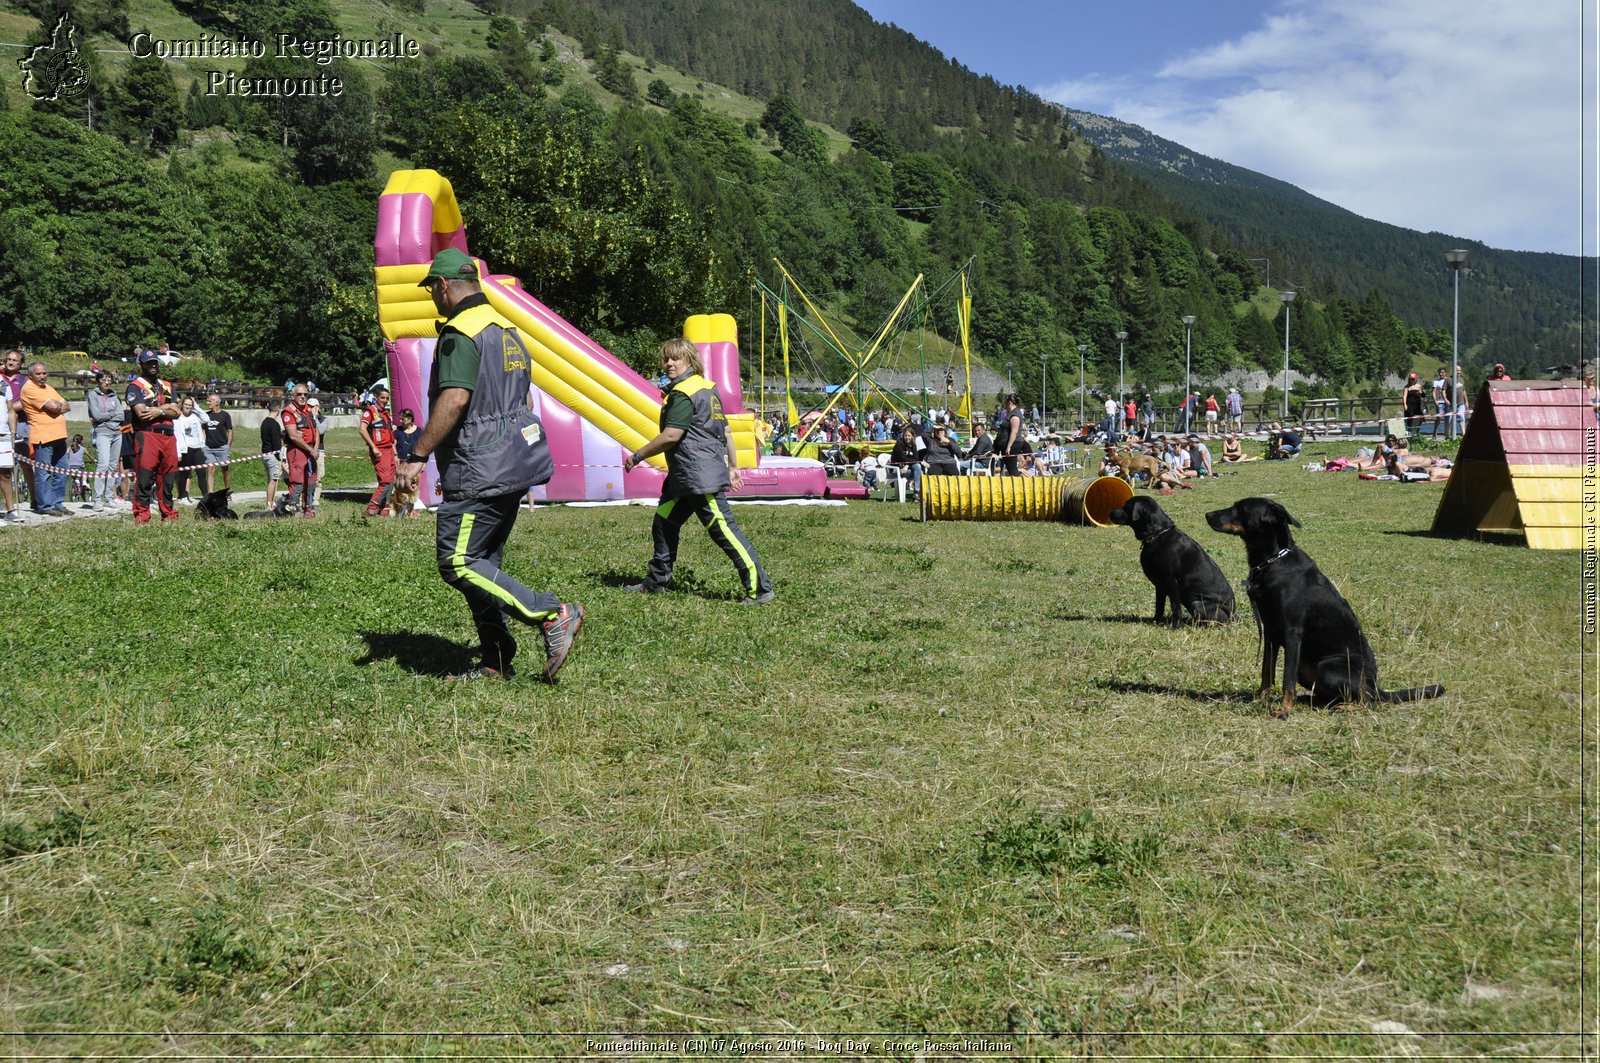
(698, 465)
(499, 446)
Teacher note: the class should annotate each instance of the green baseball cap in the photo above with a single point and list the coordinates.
(450, 265)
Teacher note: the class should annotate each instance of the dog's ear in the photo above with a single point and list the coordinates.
(1279, 515)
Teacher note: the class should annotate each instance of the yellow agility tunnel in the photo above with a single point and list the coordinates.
(1085, 500)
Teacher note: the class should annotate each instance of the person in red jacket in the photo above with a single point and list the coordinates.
(300, 440)
(155, 443)
(377, 432)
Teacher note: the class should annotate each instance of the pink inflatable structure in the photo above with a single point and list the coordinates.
(596, 410)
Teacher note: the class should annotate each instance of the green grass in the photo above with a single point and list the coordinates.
(950, 781)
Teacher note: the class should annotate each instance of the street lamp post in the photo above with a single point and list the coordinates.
(1044, 396)
(1081, 348)
(1288, 297)
(1188, 344)
(1009, 387)
(1122, 397)
(1457, 260)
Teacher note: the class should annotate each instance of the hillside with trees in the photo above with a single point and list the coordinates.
(625, 185)
(1518, 307)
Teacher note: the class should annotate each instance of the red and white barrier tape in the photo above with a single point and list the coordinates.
(85, 474)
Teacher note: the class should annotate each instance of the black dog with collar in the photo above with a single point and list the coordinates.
(1178, 566)
(1300, 612)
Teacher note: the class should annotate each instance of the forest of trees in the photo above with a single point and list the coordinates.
(246, 230)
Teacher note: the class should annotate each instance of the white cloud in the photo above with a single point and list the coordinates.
(1462, 118)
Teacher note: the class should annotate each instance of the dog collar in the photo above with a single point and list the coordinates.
(1157, 535)
(1248, 579)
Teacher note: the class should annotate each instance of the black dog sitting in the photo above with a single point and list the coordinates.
(1178, 566)
(214, 506)
(1300, 612)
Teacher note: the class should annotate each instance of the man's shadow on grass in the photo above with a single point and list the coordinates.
(417, 653)
(685, 581)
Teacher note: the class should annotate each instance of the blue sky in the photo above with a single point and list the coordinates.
(1463, 117)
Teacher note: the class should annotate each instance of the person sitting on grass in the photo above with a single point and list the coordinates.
(1167, 454)
(1109, 466)
(1200, 457)
(1167, 480)
(1231, 450)
(1282, 443)
(1186, 463)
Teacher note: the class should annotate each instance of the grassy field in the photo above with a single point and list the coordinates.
(951, 781)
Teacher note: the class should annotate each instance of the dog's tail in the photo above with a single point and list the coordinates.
(1432, 690)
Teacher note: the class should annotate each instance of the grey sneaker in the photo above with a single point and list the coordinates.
(641, 588)
(764, 598)
(559, 633)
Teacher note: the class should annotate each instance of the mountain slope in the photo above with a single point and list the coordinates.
(1518, 307)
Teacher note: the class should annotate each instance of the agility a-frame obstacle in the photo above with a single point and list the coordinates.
(1523, 464)
(912, 311)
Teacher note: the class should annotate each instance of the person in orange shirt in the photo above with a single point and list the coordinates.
(46, 413)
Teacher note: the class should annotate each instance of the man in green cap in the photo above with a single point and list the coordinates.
(490, 448)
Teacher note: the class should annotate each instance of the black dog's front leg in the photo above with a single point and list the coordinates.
(1291, 671)
(1161, 603)
(1269, 664)
(1175, 603)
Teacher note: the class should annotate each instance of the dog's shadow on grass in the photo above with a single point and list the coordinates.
(417, 653)
(1230, 697)
(1103, 618)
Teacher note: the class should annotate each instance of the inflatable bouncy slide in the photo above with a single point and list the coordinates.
(596, 410)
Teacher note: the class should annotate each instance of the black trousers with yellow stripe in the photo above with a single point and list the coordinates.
(471, 539)
(714, 513)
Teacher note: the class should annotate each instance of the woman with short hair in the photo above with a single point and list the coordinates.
(701, 468)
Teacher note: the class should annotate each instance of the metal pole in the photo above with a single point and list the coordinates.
(1044, 398)
(1081, 348)
(1122, 369)
(1122, 365)
(1455, 352)
(1457, 260)
(1288, 299)
(1188, 338)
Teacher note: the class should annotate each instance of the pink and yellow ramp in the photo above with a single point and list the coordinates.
(596, 410)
